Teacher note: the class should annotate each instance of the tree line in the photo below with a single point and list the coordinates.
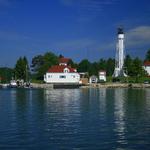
(41, 63)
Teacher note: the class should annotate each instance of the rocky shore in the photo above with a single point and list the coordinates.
(100, 85)
(117, 85)
(95, 85)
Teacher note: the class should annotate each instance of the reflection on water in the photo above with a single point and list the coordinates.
(62, 100)
(75, 119)
(147, 97)
(102, 99)
(119, 115)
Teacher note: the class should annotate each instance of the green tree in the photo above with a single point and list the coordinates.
(72, 64)
(102, 64)
(94, 69)
(137, 69)
(84, 66)
(41, 63)
(110, 65)
(61, 56)
(128, 65)
(37, 62)
(147, 57)
(27, 69)
(22, 68)
(6, 74)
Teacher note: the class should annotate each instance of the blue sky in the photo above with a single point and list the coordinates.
(74, 28)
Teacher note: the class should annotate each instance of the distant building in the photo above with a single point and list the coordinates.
(84, 78)
(62, 73)
(146, 67)
(93, 79)
(102, 76)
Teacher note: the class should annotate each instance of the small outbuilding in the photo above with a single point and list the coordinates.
(102, 76)
(93, 79)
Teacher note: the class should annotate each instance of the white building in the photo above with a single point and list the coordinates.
(93, 79)
(119, 60)
(102, 76)
(62, 73)
(146, 67)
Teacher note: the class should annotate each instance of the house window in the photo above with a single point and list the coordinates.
(62, 76)
(49, 76)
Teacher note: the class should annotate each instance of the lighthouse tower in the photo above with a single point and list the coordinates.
(119, 60)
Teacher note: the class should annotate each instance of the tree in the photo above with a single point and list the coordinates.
(94, 69)
(41, 63)
(6, 74)
(22, 68)
(27, 69)
(37, 62)
(110, 65)
(147, 58)
(128, 65)
(137, 69)
(84, 66)
(102, 64)
(61, 56)
(72, 64)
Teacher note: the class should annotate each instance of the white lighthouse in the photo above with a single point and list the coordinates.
(119, 60)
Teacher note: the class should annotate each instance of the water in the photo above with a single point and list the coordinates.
(75, 119)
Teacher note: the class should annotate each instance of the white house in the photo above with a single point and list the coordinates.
(93, 79)
(146, 67)
(102, 76)
(62, 73)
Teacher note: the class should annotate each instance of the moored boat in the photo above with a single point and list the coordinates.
(13, 84)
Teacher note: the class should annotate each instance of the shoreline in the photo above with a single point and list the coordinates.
(98, 85)
(117, 85)
(94, 85)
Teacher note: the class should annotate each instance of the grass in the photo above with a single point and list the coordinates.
(37, 81)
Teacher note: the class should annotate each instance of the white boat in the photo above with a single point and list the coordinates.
(5, 85)
(13, 83)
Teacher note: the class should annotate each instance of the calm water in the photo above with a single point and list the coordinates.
(75, 119)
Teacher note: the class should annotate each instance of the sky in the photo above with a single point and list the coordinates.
(78, 29)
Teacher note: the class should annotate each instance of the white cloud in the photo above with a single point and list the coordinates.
(134, 38)
(139, 36)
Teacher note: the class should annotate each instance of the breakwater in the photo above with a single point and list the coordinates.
(45, 86)
(117, 85)
(95, 85)
(100, 85)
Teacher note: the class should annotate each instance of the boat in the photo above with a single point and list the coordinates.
(13, 84)
(4, 85)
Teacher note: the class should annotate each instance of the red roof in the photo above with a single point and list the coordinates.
(64, 60)
(59, 68)
(147, 63)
